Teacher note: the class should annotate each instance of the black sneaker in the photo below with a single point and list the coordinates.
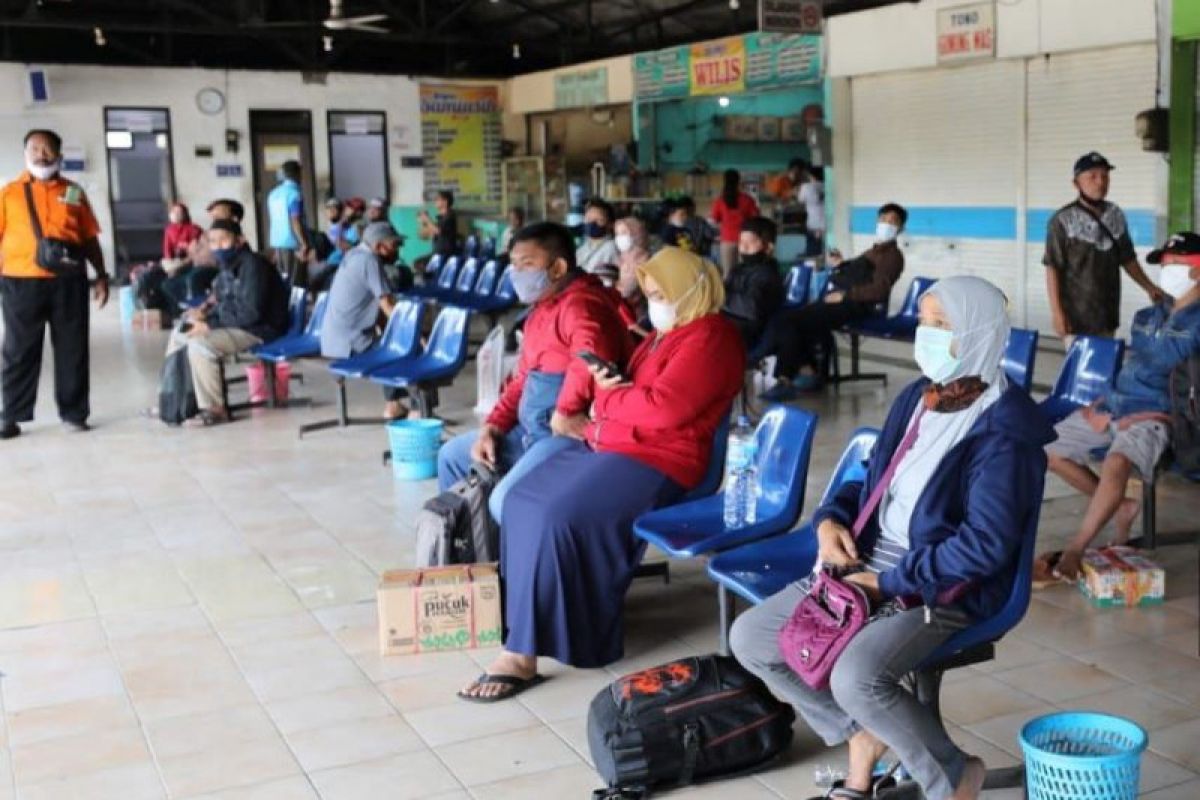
(76, 427)
(10, 431)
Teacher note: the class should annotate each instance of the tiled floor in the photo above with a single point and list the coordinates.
(190, 614)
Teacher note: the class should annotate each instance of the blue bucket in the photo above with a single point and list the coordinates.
(415, 444)
(1082, 756)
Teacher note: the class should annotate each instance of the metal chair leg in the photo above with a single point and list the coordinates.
(1150, 511)
(726, 608)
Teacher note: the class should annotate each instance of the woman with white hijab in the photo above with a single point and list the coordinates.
(952, 515)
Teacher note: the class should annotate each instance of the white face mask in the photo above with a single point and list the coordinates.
(41, 172)
(1176, 280)
(624, 242)
(662, 315)
(885, 231)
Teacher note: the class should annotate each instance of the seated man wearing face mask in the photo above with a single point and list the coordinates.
(551, 390)
(248, 306)
(1133, 420)
(857, 288)
(754, 289)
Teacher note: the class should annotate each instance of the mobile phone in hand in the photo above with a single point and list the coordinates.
(185, 326)
(611, 369)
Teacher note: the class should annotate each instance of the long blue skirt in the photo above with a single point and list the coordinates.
(568, 553)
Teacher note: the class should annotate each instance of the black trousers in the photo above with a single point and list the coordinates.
(29, 305)
(796, 331)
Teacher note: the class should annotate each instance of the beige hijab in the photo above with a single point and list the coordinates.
(691, 282)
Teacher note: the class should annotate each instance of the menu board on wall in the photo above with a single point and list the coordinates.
(587, 87)
(766, 61)
(460, 135)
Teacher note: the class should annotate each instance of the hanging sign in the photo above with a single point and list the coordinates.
(718, 67)
(766, 61)
(460, 142)
(966, 33)
(790, 16)
(588, 87)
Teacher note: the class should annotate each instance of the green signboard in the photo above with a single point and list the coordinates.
(587, 87)
(771, 60)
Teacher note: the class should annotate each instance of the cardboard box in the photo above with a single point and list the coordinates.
(768, 129)
(148, 319)
(1120, 576)
(792, 129)
(741, 128)
(439, 608)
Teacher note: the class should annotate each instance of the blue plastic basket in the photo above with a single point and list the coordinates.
(1082, 756)
(415, 444)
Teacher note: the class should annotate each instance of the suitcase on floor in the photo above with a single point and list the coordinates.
(692, 720)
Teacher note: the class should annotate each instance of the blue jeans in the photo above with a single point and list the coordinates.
(513, 461)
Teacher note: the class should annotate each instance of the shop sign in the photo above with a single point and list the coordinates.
(790, 16)
(767, 61)
(966, 33)
(588, 87)
(718, 67)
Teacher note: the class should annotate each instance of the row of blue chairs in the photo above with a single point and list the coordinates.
(485, 289)
(399, 361)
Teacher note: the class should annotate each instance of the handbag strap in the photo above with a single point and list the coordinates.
(33, 215)
(906, 444)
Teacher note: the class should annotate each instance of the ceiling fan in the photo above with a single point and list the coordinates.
(337, 21)
(363, 23)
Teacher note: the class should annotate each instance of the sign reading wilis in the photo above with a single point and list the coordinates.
(719, 67)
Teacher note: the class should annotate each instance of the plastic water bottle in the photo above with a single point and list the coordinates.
(741, 476)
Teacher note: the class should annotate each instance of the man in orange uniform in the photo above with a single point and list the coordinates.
(43, 285)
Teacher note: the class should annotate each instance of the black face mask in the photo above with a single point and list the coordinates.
(755, 258)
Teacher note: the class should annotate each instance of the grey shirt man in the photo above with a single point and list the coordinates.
(353, 304)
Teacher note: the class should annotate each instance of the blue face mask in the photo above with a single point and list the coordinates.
(224, 255)
(931, 349)
(530, 284)
(595, 230)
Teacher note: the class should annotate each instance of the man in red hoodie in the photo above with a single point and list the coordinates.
(551, 389)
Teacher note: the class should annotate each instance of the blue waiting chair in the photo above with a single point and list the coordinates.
(401, 340)
(976, 645)
(784, 438)
(471, 247)
(1088, 372)
(796, 286)
(503, 298)
(901, 326)
(443, 281)
(487, 249)
(1019, 355)
(473, 294)
(758, 570)
(299, 342)
(442, 359)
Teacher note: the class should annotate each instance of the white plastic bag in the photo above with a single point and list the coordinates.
(489, 362)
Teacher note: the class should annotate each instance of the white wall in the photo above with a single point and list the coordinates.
(903, 36)
(526, 94)
(80, 93)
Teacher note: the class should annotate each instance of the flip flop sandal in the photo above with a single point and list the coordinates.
(516, 686)
(1044, 572)
(882, 783)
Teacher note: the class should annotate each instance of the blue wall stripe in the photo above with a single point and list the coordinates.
(991, 222)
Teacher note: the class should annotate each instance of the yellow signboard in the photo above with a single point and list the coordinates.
(718, 67)
(460, 132)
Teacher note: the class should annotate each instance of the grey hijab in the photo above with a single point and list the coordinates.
(978, 314)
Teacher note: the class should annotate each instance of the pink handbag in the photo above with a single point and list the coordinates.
(833, 611)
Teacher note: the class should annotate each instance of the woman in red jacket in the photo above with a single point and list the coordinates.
(180, 232)
(567, 549)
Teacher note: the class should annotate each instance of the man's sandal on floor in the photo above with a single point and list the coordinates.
(515, 687)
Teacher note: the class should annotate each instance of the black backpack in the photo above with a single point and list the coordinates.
(672, 725)
(176, 396)
(1185, 414)
(455, 527)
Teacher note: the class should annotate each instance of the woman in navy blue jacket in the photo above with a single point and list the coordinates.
(952, 517)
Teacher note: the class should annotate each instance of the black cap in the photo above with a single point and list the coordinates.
(226, 225)
(1180, 244)
(1091, 160)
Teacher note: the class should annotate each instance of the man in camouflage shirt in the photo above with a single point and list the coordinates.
(1087, 244)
